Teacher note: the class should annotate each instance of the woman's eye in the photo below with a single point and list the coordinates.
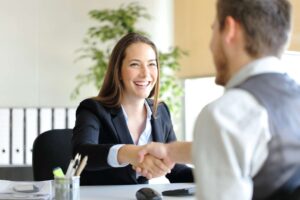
(152, 65)
(134, 65)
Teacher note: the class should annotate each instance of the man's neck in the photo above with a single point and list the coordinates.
(237, 63)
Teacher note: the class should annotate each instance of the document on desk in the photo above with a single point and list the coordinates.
(33, 190)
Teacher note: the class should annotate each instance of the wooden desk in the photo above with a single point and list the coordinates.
(127, 192)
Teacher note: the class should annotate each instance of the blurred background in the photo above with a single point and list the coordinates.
(39, 42)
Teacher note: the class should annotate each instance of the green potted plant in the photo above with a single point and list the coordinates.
(112, 24)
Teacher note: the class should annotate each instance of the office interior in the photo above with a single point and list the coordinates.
(38, 44)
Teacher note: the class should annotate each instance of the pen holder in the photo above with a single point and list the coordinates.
(67, 188)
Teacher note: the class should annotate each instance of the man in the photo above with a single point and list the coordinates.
(246, 143)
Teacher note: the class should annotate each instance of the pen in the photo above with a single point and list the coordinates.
(69, 168)
(75, 165)
(81, 166)
(69, 172)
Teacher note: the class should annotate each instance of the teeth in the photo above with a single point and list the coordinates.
(142, 83)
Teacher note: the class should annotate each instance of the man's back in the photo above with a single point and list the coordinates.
(280, 95)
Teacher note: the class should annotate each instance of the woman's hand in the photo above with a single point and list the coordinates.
(152, 167)
(129, 154)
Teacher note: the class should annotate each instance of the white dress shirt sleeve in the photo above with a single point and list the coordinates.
(230, 146)
(112, 158)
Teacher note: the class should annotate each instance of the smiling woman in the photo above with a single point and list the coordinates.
(39, 40)
(139, 71)
(113, 127)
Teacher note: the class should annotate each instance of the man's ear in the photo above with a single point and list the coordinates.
(231, 28)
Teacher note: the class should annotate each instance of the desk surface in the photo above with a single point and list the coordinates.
(127, 192)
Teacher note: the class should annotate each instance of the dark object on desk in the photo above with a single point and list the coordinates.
(51, 149)
(180, 192)
(147, 194)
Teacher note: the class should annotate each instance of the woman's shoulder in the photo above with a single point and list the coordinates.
(95, 106)
(162, 107)
(91, 104)
(161, 104)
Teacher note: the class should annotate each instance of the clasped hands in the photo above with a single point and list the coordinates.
(150, 160)
(153, 160)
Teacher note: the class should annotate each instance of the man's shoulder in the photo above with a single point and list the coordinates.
(232, 104)
(234, 108)
(234, 97)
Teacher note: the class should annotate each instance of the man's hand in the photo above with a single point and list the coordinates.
(169, 153)
(179, 152)
(152, 167)
(157, 150)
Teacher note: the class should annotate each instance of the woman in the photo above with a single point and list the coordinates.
(121, 114)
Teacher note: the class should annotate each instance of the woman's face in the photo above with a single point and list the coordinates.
(139, 71)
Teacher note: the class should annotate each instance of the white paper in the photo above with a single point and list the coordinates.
(33, 190)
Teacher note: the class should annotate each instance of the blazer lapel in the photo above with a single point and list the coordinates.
(157, 132)
(157, 135)
(121, 127)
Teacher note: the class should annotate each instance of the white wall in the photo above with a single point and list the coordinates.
(38, 40)
(201, 91)
(198, 93)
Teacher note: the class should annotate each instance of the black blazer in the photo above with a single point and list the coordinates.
(98, 128)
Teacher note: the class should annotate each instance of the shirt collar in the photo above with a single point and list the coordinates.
(149, 112)
(268, 64)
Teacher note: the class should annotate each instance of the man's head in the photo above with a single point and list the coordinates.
(264, 25)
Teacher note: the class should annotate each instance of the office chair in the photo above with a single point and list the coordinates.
(286, 195)
(295, 195)
(51, 149)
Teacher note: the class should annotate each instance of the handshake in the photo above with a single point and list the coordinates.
(155, 159)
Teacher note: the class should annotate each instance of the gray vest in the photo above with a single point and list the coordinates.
(280, 95)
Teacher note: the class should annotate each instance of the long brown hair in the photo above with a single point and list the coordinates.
(112, 88)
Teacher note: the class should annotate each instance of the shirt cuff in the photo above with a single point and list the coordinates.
(112, 158)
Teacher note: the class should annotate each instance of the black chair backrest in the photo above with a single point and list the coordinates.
(295, 195)
(51, 149)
